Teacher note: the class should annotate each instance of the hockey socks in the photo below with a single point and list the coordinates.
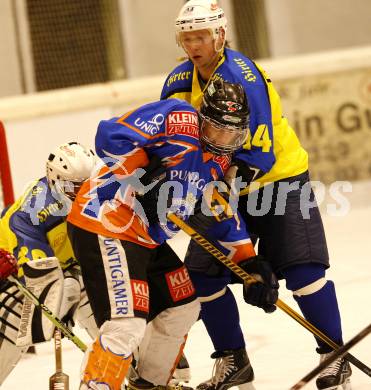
(222, 321)
(321, 309)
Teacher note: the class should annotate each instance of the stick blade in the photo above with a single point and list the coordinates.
(59, 381)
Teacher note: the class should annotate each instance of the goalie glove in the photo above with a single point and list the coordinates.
(264, 293)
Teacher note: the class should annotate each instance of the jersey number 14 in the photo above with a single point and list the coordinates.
(260, 139)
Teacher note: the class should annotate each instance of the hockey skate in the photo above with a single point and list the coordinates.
(182, 372)
(142, 384)
(335, 376)
(231, 368)
(181, 375)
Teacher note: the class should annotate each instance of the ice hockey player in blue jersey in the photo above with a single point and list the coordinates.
(34, 228)
(153, 164)
(292, 240)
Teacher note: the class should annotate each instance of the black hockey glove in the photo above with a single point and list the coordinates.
(248, 173)
(264, 293)
(155, 173)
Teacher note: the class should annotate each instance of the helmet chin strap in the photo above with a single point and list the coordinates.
(221, 50)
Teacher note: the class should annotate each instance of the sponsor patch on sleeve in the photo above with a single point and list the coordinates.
(224, 162)
(180, 285)
(140, 295)
(182, 122)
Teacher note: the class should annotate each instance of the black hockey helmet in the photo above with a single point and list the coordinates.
(225, 117)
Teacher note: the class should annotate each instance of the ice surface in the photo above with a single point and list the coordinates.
(281, 350)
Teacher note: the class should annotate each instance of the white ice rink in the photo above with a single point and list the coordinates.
(281, 350)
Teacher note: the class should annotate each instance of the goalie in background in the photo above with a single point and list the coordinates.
(272, 161)
(34, 228)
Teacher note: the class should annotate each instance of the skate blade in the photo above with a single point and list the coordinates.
(345, 386)
(246, 386)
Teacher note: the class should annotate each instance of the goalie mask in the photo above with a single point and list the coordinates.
(68, 166)
(199, 15)
(224, 116)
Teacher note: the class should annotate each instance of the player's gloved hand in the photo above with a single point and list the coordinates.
(217, 202)
(246, 172)
(263, 293)
(70, 299)
(154, 177)
(8, 264)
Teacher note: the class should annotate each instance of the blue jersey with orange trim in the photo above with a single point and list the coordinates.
(34, 227)
(168, 129)
(272, 145)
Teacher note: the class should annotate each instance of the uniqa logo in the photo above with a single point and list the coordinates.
(152, 126)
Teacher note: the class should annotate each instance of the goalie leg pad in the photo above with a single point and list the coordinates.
(85, 316)
(104, 369)
(163, 340)
(11, 300)
(9, 357)
(44, 278)
(123, 335)
(108, 360)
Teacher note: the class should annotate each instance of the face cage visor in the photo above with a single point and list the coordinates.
(68, 187)
(221, 139)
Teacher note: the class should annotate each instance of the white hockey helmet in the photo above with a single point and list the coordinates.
(68, 166)
(199, 15)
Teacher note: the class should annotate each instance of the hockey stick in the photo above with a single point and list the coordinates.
(338, 353)
(249, 279)
(59, 380)
(55, 320)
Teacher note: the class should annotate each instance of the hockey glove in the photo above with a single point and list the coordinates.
(215, 203)
(8, 264)
(154, 177)
(263, 293)
(248, 173)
